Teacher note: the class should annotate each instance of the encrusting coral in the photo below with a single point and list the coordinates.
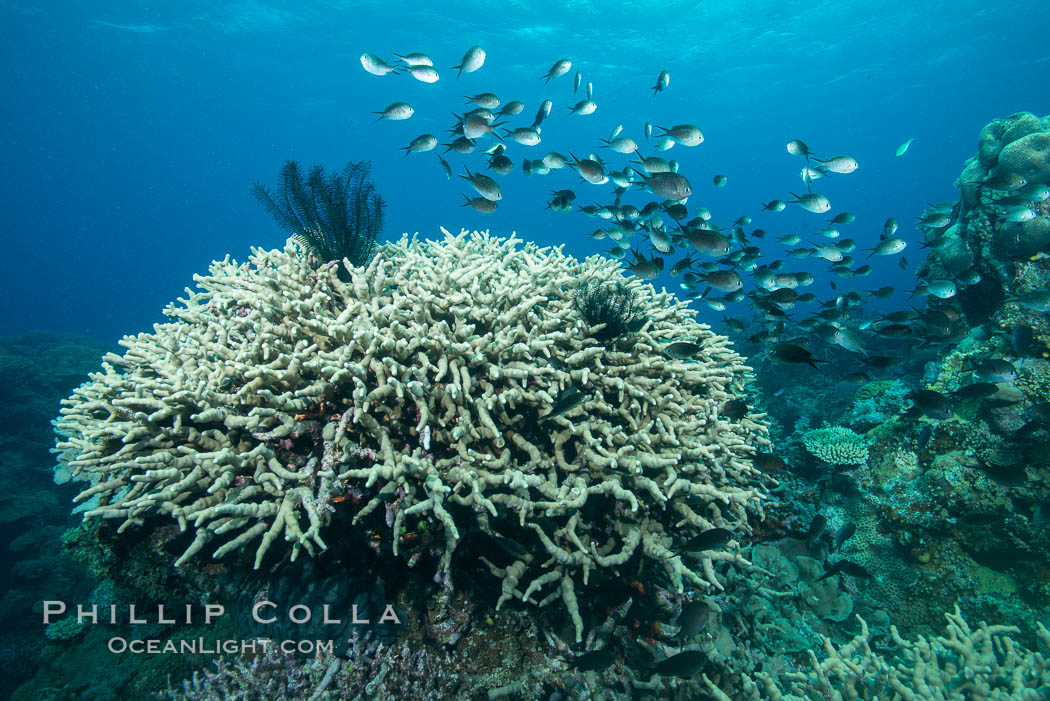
(421, 396)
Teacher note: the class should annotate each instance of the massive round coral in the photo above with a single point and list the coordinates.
(448, 387)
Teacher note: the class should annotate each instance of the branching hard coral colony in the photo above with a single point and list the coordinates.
(410, 396)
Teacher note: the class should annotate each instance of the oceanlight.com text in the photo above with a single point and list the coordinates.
(216, 646)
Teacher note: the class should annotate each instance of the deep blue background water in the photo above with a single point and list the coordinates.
(132, 133)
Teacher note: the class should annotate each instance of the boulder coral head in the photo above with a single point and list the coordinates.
(407, 402)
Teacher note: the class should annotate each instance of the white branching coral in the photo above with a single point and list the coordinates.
(965, 664)
(836, 445)
(411, 397)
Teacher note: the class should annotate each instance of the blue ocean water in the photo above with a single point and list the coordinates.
(132, 133)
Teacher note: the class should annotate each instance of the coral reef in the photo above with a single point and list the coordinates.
(425, 398)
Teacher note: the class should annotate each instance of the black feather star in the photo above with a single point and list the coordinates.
(610, 304)
(336, 216)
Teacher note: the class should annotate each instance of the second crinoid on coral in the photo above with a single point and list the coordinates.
(611, 306)
(335, 216)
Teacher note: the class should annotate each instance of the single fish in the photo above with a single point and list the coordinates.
(809, 174)
(677, 211)
(424, 74)
(684, 134)
(567, 399)
(888, 247)
(684, 664)
(661, 240)
(484, 185)
(1019, 214)
(560, 204)
(724, 280)
(555, 160)
(1035, 192)
(542, 113)
(511, 546)
(816, 527)
(472, 61)
(396, 112)
(584, 107)
(710, 539)
(903, 148)
(840, 164)
(375, 65)
(461, 145)
(942, 289)
(447, 168)
(669, 185)
(845, 567)
(590, 170)
(720, 180)
(652, 164)
(622, 144)
(486, 99)
(735, 409)
(797, 147)
(1038, 300)
(929, 403)
(768, 462)
(844, 533)
(662, 81)
(480, 204)
(475, 127)
(424, 142)
(1022, 339)
(560, 68)
(812, 202)
(710, 243)
(526, 136)
(776, 206)
(682, 266)
(594, 660)
(1007, 182)
(482, 112)
(978, 390)
(995, 370)
(829, 252)
(682, 350)
(694, 617)
(500, 164)
(512, 108)
(576, 82)
(792, 354)
(646, 268)
(936, 220)
(416, 59)
(850, 340)
(857, 378)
